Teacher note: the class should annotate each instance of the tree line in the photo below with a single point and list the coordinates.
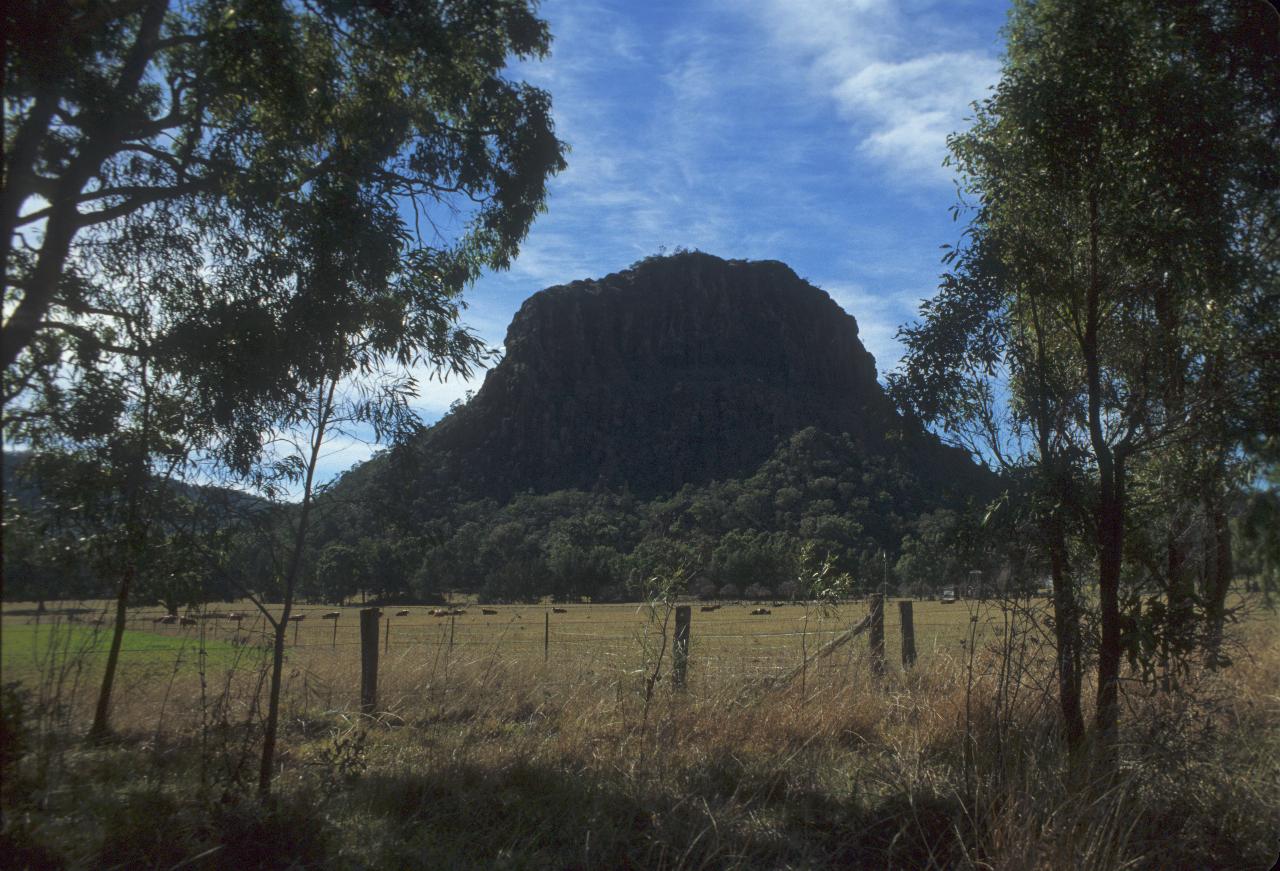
(868, 514)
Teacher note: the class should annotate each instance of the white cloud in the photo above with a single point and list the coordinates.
(913, 105)
(435, 396)
(900, 88)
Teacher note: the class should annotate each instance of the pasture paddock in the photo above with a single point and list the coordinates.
(482, 753)
(611, 644)
(169, 672)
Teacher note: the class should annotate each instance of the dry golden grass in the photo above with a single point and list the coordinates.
(486, 756)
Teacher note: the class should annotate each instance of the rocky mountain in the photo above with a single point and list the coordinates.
(680, 370)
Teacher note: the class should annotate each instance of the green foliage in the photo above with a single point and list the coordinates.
(929, 559)
(262, 158)
(569, 544)
(819, 582)
(338, 573)
(243, 193)
(753, 558)
(1099, 328)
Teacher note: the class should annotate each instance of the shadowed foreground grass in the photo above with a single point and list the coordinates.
(954, 766)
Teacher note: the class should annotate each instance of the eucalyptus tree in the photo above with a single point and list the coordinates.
(243, 117)
(111, 429)
(1123, 178)
(358, 392)
(244, 201)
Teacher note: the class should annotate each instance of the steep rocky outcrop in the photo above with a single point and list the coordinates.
(682, 369)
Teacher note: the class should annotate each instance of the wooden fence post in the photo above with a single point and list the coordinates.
(452, 618)
(368, 659)
(546, 635)
(908, 634)
(386, 639)
(680, 647)
(877, 633)
(335, 635)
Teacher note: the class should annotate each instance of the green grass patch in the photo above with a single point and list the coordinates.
(29, 648)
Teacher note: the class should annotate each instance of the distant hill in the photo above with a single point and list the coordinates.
(46, 554)
(681, 370)
(26, 490)
(689, 405)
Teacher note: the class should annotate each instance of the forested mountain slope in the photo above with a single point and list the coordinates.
(658, 409)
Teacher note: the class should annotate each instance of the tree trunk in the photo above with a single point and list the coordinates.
(136, 530)
(102, 712)
(1055, 474)
(1111, 518)
(103, 138)
(20, 327)
(1110, 508)
(20, 174)
(267, 766)
(1220, 572)
(1066, 627)
(324, 411)
(1180, 598)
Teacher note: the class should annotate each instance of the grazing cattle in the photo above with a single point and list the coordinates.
(456, 612)
(778, 604)
(760, 612)
(332, 615)
(560, 610)
(439, 612)
(166, 619)
(297, 618)
(234, 616)
(487, 611)
(188, 621)
(710, 608)
(403, 612)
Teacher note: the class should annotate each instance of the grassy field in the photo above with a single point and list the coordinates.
(529, 739)
(614, 643)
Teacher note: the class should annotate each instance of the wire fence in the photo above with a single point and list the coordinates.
(425, 653)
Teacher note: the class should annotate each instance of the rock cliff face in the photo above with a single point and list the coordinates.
(683, 369)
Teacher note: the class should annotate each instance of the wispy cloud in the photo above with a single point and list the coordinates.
(913, 105)
(896, 82)
(655, 132)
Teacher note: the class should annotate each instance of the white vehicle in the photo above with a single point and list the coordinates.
(948, 597)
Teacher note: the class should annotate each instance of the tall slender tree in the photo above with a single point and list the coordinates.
(1123, 178)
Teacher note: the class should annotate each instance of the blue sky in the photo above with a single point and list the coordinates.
(806, 131)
